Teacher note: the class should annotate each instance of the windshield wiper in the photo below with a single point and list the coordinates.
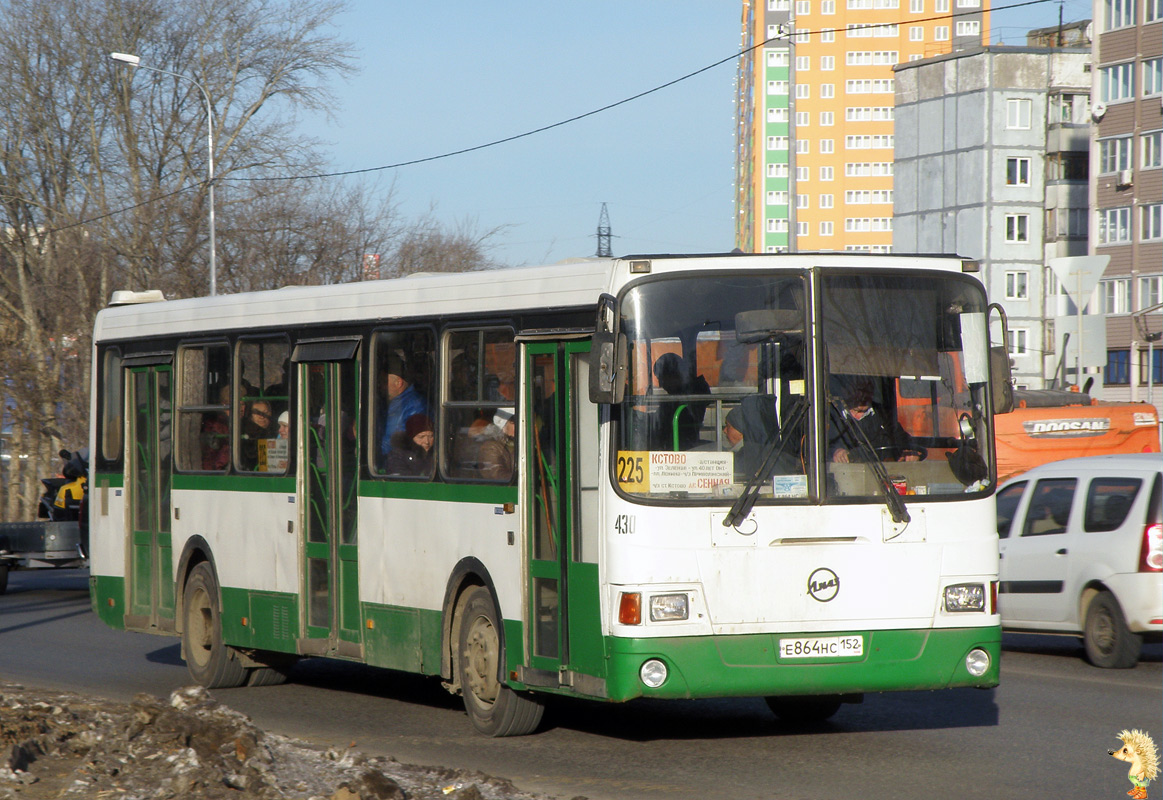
(892, 498)
(772, 449)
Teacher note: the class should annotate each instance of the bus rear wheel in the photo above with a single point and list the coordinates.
(493, 708)
(804, 710)
(209, 661)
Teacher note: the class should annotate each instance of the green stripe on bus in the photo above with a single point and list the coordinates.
(747, 666)
(111, 480)
(235, 483)
(447, 492)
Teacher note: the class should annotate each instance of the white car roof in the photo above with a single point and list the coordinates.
(1094, 465)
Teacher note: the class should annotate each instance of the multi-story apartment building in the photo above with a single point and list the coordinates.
(992, 145)
(1126, 191)
(814, 168)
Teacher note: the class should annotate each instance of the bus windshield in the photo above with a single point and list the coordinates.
(724, 395)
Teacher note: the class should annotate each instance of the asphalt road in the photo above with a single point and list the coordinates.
(1044, 732)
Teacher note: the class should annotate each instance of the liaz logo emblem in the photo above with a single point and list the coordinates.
(823, 584)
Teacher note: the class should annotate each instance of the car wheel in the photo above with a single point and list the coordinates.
(3, 578)
(1109, 643)
(210, 662)
(493, 708)
(804, 710)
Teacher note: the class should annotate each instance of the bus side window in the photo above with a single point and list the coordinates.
(264, 389)
(479, 404)
(402, 442)
(205, 408)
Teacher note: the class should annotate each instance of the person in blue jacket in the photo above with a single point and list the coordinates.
(403, 401)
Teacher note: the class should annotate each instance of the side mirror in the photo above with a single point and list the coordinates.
(1001, 382)
(1001, 379)
(607, 368)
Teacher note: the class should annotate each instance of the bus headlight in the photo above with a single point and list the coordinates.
(653, 673)
(668, 607)
(977, 662)
(965, 597)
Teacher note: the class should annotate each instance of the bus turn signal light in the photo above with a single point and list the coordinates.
(630, 608)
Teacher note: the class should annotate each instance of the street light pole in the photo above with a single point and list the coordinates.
(135, 61)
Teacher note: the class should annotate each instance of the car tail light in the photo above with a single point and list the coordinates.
(1151, 551)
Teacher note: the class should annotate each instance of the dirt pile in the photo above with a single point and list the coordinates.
(59, 745)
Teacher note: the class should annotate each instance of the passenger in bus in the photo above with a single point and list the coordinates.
(673, 376)
(750, 428)
(412, 453)
(498, 452)
(401, 400)
(284, 425)
(215, 435)
(257, 425)
(890, 441)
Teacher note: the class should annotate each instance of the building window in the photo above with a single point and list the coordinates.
(803, 146)
(1118, 14)
(1017, 172)
(916, 33)
(1017, 285)
(1114, 155)
(803, 174)
(1118, 367)
(777, 142)
(803, 119)
(777, 87)
(777, 198)
(803, 201)
(1150, 290)
(802, 229)
(777, 58)
(941, 6)
(1152, 152)
(969, 3)
(1153, 11)
(827, 90)
(777, 226)
(1019, 339)
(968, 27)
(803, 63)
(826, 201)
(827, 63)
(803, 8)
(828, 118)
(828, 35)
(1072, 223)
(1116, 82)
(941, 33)
(827, 146)
(1116, 296)
(1114, 225)
(1017, 228)
(916, 6)
(826, 173)
(1152, 76)
(777, 170)
(1152, 227)
(826, 228)
(1154, 373)
(777, 115)
(1018, 114)
(828, 7)
(1067, 166)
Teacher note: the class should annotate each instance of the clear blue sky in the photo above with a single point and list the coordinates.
(439, 77)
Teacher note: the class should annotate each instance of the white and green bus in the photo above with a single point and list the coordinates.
(645, 477)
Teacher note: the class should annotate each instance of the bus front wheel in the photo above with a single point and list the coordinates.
(493, 708)
(804, 710)
(209, 661)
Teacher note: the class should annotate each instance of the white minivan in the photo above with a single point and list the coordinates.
(1081, 545)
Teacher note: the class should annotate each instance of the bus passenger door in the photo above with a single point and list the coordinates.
(329, 464)
(559, 432)
(147, 471)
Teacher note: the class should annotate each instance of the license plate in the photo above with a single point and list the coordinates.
(822, 647)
